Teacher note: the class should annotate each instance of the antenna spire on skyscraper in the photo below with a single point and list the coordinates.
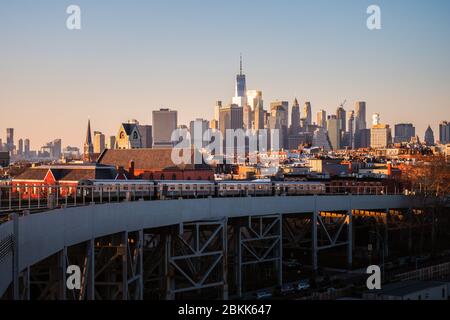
(240, 65)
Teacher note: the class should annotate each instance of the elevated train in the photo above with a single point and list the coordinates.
(196, 189)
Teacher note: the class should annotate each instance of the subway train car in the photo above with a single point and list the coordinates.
(150, 189)
(184, 189)
(299, 188)
(117, 188)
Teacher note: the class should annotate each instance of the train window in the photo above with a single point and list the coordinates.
(174, 177)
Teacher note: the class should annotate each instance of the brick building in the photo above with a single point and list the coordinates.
(155, 164)
(65, 177)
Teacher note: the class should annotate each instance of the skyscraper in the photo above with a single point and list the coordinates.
(88, 146)
(322, 119)
(360, 119)
(27, 148)
(254, 98)
(240, 94)
(307, 112)
(444, 132)
(112, 142)
(404, 132)
(279, 119)
(56, 149)
(342, 117)
(165, 121)
(295, 117)
(230, 117)
(10, 140)
(247, 117)
(20, 148)
(99, 142)
(429, 137)
(334, 132)
(351, 132)
(197, 129)
(259, 115)
(380, 134)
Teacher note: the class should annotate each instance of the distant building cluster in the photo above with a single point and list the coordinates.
(298, 131)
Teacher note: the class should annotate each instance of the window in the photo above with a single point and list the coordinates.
(174, 177)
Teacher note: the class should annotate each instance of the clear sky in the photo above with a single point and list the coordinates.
(132, 57)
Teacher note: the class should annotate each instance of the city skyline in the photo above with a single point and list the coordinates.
(107, 69)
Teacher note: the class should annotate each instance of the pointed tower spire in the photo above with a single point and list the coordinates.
(88, 146)
(240, 65)
(88, 133)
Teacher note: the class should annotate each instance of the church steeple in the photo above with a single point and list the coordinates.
(88, 146)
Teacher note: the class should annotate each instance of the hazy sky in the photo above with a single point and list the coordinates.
(132, 57)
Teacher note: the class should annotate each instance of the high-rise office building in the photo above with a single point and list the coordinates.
(165, 121)
(321, 139)
(334, 132)
(322, 119)
(56, 150)
(429, 137)
(254, 99)
(27, 148)
(240, 94)
(10, 140)
(351, 129)
(380, 134)
(197, 129)
(295, 117)
(404, 132)
(112, 142)
(444, 132)
(99, 142)
(259, 115)
(247, 117)
(279, 119)
(20, 148)
(230, 117)
(307, 113)
(360, 118)
(342, 117)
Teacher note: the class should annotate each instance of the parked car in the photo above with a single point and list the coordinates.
(303, 285)
(262, 295)
(285, 289)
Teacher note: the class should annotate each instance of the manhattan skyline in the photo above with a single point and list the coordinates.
(131, 59)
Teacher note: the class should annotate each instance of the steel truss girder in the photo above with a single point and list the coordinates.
(327, 222)
(259, 241)
(196, 258)
(297, 232)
